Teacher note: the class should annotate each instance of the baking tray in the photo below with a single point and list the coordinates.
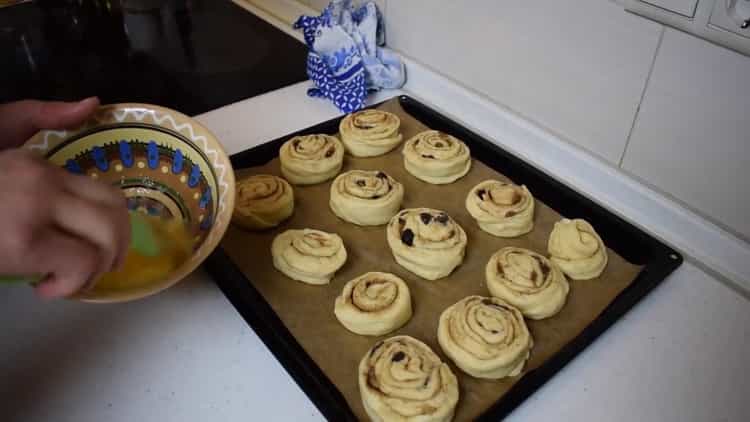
(636, 246)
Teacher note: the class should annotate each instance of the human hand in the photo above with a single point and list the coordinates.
(66, 227)
(20, 120)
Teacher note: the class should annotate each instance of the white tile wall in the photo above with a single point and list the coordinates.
(692, 135)
(577, 67)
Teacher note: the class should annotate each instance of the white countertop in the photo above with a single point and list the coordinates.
(187, 355)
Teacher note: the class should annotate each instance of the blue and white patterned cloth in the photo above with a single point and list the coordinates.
(347, 58)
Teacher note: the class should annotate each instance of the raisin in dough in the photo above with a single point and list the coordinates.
(577, 249)
(369, 133)
(528, 281)
(501, 209)
(402, 379)
(436, 157)
(311, 159)
(263, 201)
(310, 256)
(485, 337)
(366, 198)
(374, 304)
(427, 242)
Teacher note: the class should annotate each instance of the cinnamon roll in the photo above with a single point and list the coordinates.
(311, 159)
(366, 198)
(528, 281)
(427, 242)
(402, 379)
(369, 133)
(577, 249)
(436, 157)
(501, 209)
(310, 256)
(374, 304)
(263, 201)
(485, 337)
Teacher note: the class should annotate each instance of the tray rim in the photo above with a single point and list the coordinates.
(259, 315)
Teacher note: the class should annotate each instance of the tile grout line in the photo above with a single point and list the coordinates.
(643, 95)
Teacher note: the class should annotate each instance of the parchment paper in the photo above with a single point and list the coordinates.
(307, 310)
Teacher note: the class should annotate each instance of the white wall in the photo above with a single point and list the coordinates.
(667, 107)
(580, 75)
(692, 135)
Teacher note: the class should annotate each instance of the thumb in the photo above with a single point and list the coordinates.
(20, 120)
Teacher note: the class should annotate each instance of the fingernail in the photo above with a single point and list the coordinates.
(87, 101)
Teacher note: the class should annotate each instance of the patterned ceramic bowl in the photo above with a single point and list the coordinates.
(166, 163)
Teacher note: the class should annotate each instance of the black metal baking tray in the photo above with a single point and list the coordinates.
(658, 261)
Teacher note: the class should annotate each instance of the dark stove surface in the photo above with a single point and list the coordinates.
(189, 55)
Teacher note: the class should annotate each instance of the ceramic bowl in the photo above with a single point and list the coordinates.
(166, 163)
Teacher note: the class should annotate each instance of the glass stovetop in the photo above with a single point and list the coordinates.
(190, 55)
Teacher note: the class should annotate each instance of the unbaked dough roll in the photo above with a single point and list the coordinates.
(263, 201)
(528, 281)
(311, 159)
(501, 209)
(577, 249)
(374, 304)
(311, 256)
(402, 379)
(485, 337)
(427, 242)
(369, 133)
(366, 198)
(436, 157)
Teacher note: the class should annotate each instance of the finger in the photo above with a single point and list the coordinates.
(72, 264)
(91, 190)
(108, 197)
(100, 226)
(64, 115)
(20, 120)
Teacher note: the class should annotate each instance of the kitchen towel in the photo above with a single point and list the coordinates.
(347, 57)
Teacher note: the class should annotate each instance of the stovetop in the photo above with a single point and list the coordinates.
(189, 55)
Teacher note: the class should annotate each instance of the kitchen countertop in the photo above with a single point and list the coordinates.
(187, 355)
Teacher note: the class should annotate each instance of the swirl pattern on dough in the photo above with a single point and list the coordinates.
(402, 379)
(310, 256)
(374, 304)
(501, 209)
(366, 198)
(369, 133)
(485, 337)
(577, 249)
(427, 242)
(311, 159)
(436, 157)
(262, 201)
(528, 281)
